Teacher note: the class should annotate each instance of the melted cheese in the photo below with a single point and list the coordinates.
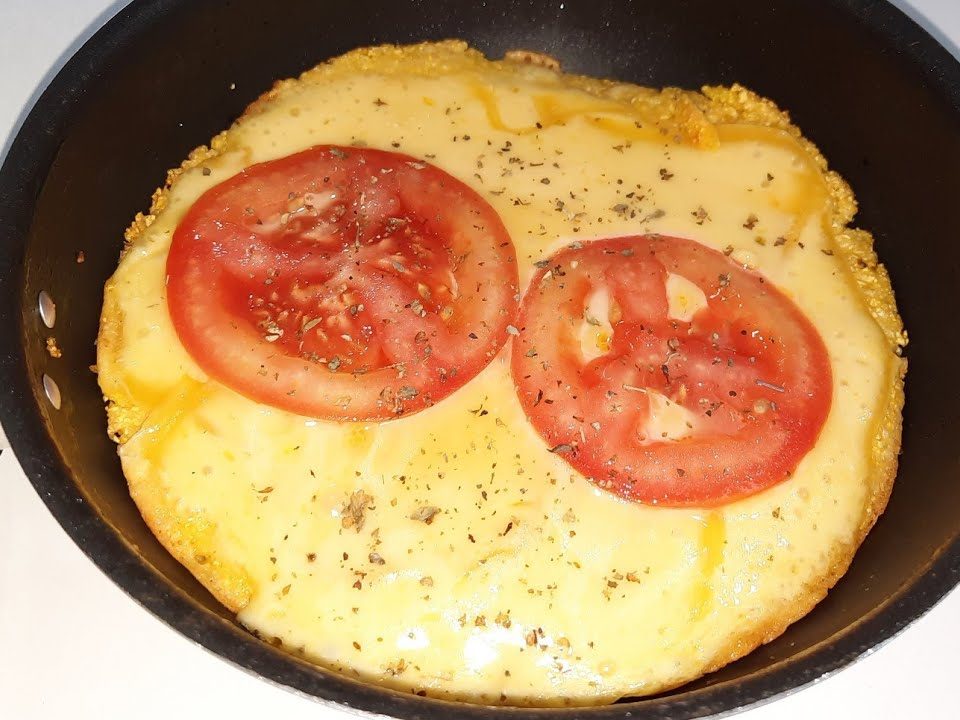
(528, 585)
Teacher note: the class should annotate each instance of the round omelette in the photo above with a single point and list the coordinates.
(492, 383)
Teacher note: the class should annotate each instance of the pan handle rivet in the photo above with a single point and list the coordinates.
(52, 390)
(48, 309)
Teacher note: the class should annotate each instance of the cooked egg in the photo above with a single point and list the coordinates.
(450, 551)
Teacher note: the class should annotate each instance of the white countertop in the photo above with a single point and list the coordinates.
(73, 645)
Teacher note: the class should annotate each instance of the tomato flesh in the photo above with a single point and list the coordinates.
(342, 283)
(747, 377)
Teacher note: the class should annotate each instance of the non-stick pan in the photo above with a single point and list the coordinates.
(878, 95)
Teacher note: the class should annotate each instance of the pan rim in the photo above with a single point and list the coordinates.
(21, 176)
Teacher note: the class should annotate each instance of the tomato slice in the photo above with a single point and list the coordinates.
(697, 408)
(342, 283)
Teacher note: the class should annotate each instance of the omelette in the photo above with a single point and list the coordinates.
(488, 382)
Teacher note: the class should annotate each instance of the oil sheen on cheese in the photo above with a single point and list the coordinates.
(449, 551)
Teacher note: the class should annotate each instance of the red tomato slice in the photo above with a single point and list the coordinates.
(749, 371)
(342, 283)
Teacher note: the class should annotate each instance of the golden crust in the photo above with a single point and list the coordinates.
(532, 58)
(191, 539)
(683, 116)
(187, 534)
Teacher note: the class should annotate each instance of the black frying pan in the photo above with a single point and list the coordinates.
(879, 96)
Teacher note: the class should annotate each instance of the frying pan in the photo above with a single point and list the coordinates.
(878, 95)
